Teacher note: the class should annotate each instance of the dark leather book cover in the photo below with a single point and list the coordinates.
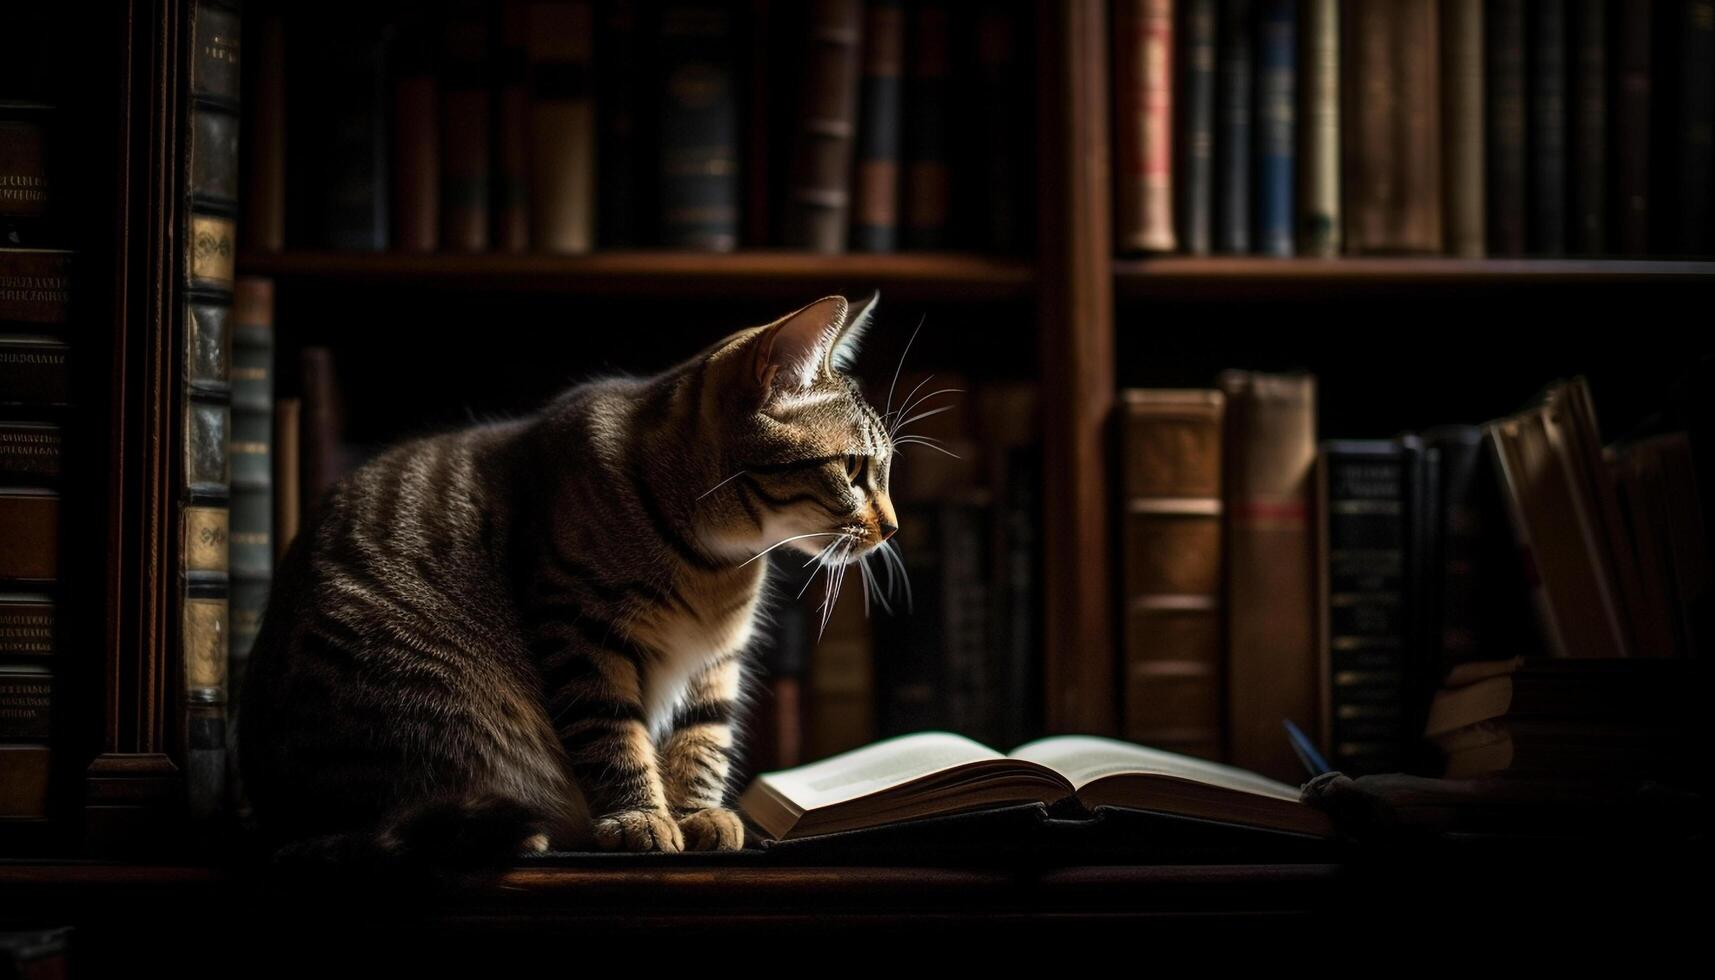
(1547, 127)
(1416, 41)
(1143, 125)
(26, 703)
(928, 107)
(818, 206)
(1195, 156)
(27, 626)
(29, 201)
(35, 287)
(34, 371)
(1696, 124)
(623, 144)
(321, 427)
(1276, 125)
(29, 524)
(338, 167)
(1004, 110)
(1319, 220)
(558, 51)
(509, 205)
(1372, 109)
(1366, 605)
(214, 55)
(875, 178)
(24, 771)
(214, 157)
(251, 448)
(416, 150)
(1462, 127)
(699, 153)
(1233, 128)
(1505, 145)
(1588, 209)
(1630, 126)
(466, 120)
(32, 454)
(208, 347)
(263, 147)
(910, 669)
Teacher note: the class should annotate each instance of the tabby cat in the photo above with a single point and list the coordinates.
(533, 633)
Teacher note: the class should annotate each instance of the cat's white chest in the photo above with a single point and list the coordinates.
(686, 644)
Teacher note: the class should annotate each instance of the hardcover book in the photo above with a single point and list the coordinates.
(699, 162)
(1506, 196)
(1195, 158)
(930, 774)
(819, 204)
(1233, 128)
(928, 114)
(1276, 126)
(562, 127)
(875, 181)
(1319, 130)
(1143, 73)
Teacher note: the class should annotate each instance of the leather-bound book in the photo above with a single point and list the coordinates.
(509, 205)
(1006, 214)
(264, 146)
(1630, 127)
(29, 524)
(252, 451)
(27, 626)
(699, 162)
(1547, 127)
(29, 200)
(1171, 457)
(35, 287)
(558, 46)
(466, 158)
(1319, 223)
(1462, 127)
(1271, 664)
(819, 203)
(1372, 98)
(1233, 128)
(288, 473)
(1587, 231)
(320, 429)
(928, 108)
(1415, 41)
(1504, 127)
(875, 179)
(32, 454)
(1695, 99)
(1143, 118)
(416, 156)
(34, 370)
(1276, 125)
(338, 167)
(1194, 160)
(623, 111)
(1364, 491)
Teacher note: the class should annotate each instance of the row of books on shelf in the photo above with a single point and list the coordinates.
(1464, 127)
(1408, 597)
(562, 127)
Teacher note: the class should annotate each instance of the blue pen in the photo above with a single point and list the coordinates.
(1305, 750)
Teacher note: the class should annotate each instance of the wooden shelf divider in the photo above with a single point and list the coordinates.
(1178, 275)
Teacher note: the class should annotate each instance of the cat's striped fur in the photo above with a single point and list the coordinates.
(534, 632)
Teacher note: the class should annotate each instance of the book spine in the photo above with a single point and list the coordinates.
(288, 476)
(206, 429)
(1276, 125)
(1003, 108)
(1364, 519)
(971, 683)
(1319, 132)
(509, 199)
(1172, 459)
(252, 538)
(264, 146)
(818, 209)
(1233, 129)
(700, 176)
(621, 146)
(1547, 120)
(32, 453)
(1143, 72)
(35, 288)
(562, 127)
(27, 627)
(1196, 156)
(30, 523)
(26, 703)
(875, 188)
(320, 428)
(1696, 130)
(1416, 217)
(466, 163)
(1372, 101)
(341, 166)
(1631, 126)
(1271, 663)
(840, 709)
(1019, 617)
(928, 177)
(910, 682)
(29, 201)
(416, 151)
(1588, 232)
(1504, 127)
(1462, 127)
(34, 370)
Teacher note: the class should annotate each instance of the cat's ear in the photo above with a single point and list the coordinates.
(858, 316)
(794, 351)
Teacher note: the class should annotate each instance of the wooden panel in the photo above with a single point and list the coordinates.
(1077, 338)
(1243, 276)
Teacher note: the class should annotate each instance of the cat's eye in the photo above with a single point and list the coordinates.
(854, 467)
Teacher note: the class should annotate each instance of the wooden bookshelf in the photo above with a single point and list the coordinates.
(759, 273)
(1175, 275)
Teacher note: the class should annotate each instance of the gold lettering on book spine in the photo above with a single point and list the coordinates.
(211, 248)
(205, 645)
(205, 539)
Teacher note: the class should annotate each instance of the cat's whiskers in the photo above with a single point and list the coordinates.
(795, 537)
(929, 414)
(901, 365)
(890, 552)
(925, 441)
(723, 483)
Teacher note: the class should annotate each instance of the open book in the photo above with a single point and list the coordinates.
(936, 773)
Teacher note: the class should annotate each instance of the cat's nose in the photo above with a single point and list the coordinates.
(886, 529)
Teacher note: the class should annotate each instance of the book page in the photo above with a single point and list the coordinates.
(1083, 759)
(875, 768)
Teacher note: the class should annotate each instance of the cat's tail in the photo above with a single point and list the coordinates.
(453, 836)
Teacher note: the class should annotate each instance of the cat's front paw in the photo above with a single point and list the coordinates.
(713, 829)
(638, 830)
